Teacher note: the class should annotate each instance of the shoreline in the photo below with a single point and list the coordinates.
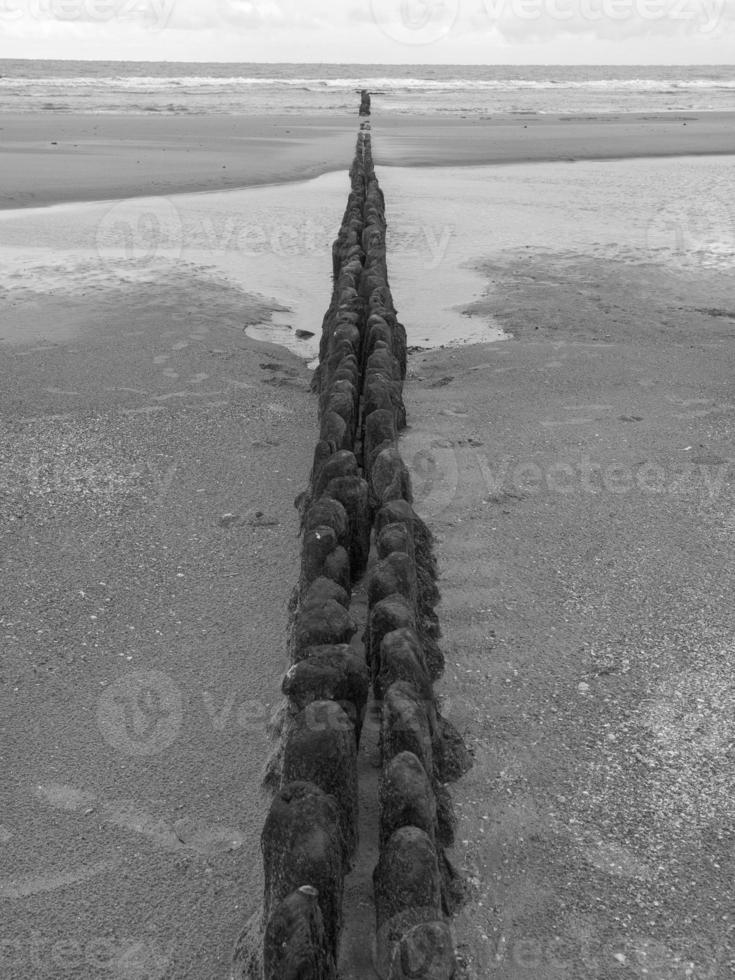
(273, 240)
(305, 178)
(73, 158)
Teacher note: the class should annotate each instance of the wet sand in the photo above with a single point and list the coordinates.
(581, 483)
(447, 224)
(148, 467)
(49, 159)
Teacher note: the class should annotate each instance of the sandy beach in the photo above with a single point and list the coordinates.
(580, 480)
(50, 159)
(579, 475)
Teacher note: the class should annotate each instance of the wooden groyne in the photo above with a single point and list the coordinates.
(360, 531)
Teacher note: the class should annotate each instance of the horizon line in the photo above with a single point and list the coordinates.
(395, 64)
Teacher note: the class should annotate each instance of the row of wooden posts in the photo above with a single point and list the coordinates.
(360, 529)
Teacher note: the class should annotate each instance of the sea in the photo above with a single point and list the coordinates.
(196, 88)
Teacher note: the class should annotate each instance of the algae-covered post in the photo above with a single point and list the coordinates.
(356, 518)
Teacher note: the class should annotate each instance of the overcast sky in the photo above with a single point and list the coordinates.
(388, 31)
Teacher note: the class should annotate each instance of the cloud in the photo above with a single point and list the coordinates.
(529, 21)
(250, 14)
(37, 16)
(398, 31)
(224, 15)
(533, 20)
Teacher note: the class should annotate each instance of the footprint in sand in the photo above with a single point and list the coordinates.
(206, 838)
(145, 410)
(187, 394)
(186, 833)
(614, 859)
(15, 888)
(61, 391)
(687, 402)
(34, 350)
(701, 413)
(170, 395)
(588, 408)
